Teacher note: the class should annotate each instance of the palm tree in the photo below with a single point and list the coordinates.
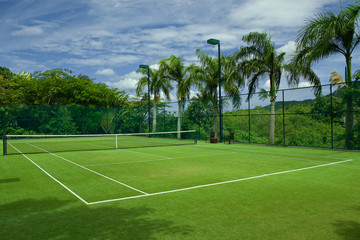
(207, 75)
(158, 84)
(174, 69)
(328, 34)
(260, 59)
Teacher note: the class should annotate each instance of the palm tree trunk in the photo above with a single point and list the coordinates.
(179, 120)
(272, 121)
(272, 109)
(349, 117)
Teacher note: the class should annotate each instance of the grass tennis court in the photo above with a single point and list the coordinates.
(196, 191)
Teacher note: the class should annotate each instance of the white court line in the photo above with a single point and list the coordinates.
(190, 142)
(158, 141)
(277, 156)
(218, 183)
(121, 149)
(223, 152)
(152, 160)
(201, 155)
(68, 189)
(90, 170)
(144, 153)
(256, 154)
(247, 150)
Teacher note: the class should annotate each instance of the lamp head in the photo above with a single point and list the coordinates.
(213, 41)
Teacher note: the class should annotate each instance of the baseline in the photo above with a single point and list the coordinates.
(53, 178)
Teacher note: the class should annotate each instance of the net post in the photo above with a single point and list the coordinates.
(195, 137)
(4, 145)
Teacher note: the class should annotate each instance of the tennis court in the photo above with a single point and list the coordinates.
(133, 169)
(129, 171)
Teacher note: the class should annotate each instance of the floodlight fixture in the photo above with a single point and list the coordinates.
(214, 41)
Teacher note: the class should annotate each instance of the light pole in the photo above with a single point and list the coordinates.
(147, 66)
(213, 41)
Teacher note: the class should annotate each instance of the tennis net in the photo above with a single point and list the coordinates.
(18, 144)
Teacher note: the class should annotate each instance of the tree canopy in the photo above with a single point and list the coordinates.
(57, 87)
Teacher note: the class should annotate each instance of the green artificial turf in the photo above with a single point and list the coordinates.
(309, 203)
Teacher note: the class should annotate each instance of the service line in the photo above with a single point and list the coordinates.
(218, 183)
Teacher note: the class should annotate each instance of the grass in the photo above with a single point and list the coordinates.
(312, 203)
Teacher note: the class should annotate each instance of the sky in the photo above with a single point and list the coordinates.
(108, 39)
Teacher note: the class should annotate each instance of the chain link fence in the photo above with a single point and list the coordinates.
(297, 116)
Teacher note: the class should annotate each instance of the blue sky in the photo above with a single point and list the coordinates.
(108, 39)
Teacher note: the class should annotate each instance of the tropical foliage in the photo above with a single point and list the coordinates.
(56, 87)
(261, 59)
(174, 69)
(207, 75)
(327, 34)
(157, 84)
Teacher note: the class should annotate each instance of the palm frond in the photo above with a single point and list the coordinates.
(335, 78)
(356, 75)
(263, 94)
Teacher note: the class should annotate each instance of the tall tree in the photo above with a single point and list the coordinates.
(158, 84)
(260, 59)
(8, 93)
(207, 74)
(61, 87)
(328, 34)
(174, 69)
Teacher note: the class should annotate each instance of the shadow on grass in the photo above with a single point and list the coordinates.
(9, 180)
(54, 219)
(349, 230)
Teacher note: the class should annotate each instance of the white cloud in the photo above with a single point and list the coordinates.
(193, 93)
(305, 84)
(289, 49)
(106, 72)
(126, 82)
(103, 60)
(275, 13)
(173, 97)
(28, 31)
(266, 85)
(93, 36)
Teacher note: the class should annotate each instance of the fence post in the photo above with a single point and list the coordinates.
(4, 145)
(331, 117)
(249, 120)
(57, 119)
(83, 109)
(283, 108)
(198, 106)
